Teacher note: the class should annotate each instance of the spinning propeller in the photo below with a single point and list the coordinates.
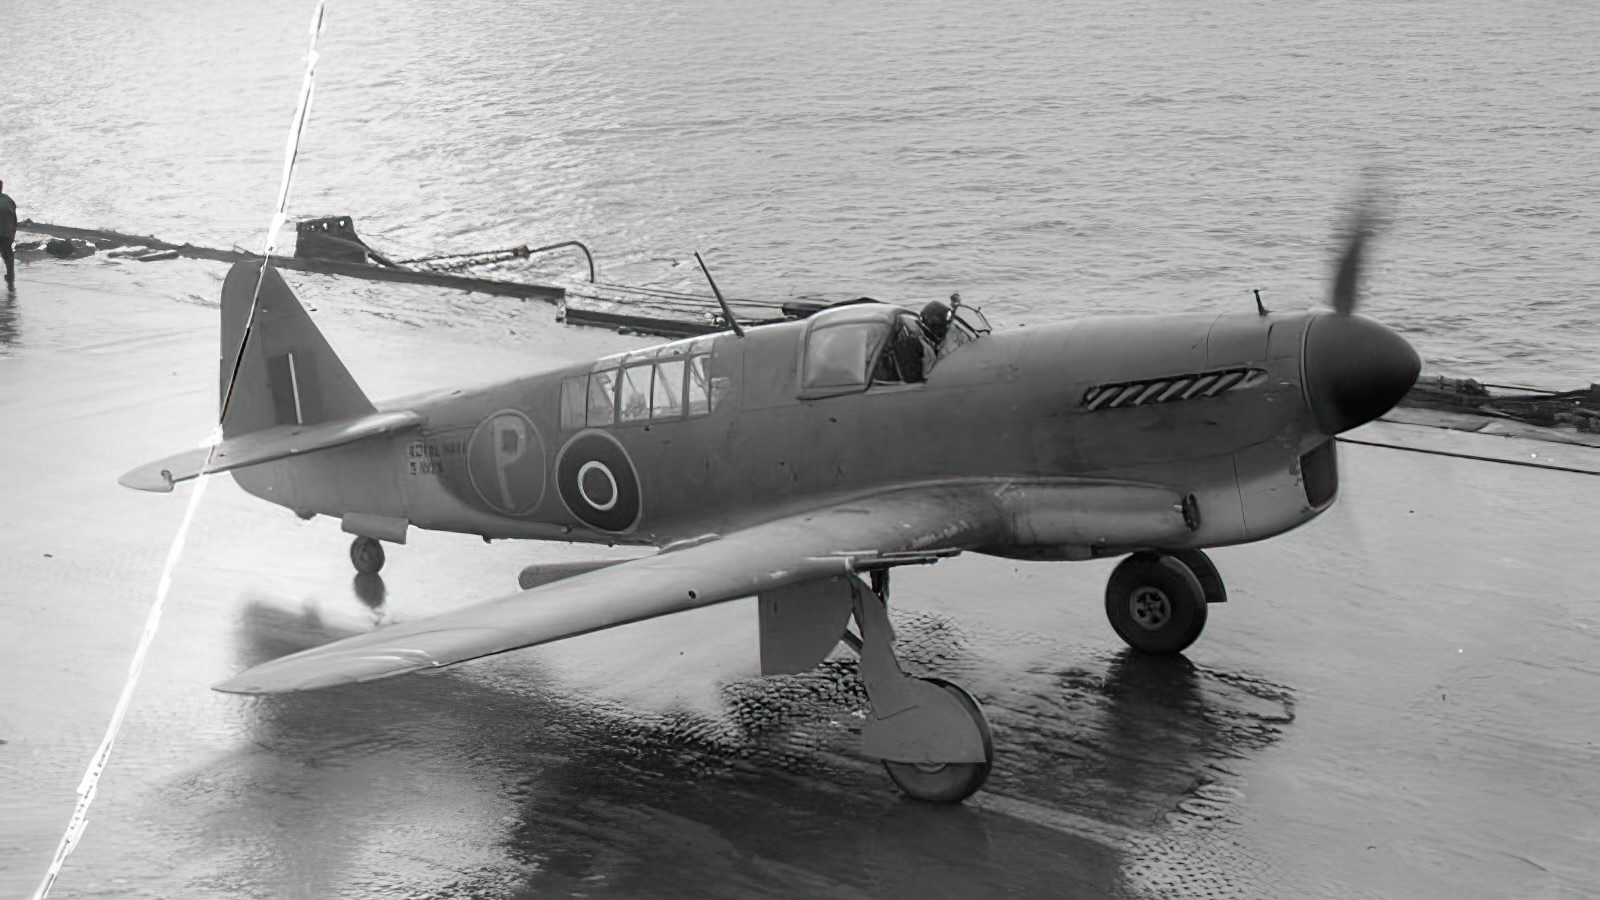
(1346, 277)
(1355, 368)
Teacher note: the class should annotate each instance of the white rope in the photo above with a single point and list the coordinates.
(97, 764)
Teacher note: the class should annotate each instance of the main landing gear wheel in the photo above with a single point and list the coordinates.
(1156, 603)
(367, 555)
(947, 782)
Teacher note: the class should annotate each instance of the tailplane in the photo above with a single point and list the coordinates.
(288, 375)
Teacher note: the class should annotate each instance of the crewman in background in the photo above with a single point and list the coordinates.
(8, 233)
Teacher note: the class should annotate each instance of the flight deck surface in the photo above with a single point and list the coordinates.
(1399, 699)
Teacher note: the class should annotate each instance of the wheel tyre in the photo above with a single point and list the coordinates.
(367, 555)
(1155, 603)
(1205, 570)
(947, 782)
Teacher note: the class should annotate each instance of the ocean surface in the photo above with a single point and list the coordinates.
(1045, 160)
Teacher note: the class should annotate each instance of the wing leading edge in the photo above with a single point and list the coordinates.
(829, 541)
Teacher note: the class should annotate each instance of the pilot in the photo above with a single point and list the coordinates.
(908, 355)
(936, 322)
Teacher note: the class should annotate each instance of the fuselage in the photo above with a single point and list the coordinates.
(704, 435)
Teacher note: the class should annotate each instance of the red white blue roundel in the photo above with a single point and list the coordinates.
(598, 483)
(506, 463)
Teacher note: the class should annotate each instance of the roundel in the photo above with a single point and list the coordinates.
(598, 482)
(505, 460)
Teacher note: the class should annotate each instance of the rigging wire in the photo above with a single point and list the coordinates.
(1492, 459)
(88, 787)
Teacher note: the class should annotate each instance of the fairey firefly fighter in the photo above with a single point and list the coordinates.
(799, 462)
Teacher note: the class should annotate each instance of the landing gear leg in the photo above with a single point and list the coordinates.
(1205, 570)
(367, 555)
(931, 735)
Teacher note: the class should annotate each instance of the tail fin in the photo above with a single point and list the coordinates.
(287, 374)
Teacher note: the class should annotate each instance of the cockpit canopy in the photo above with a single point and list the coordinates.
(841, 345)
(850, 347)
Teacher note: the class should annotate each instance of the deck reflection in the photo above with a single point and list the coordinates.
(491, 781)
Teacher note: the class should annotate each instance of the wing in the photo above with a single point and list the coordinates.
(263, 446)
(831, 541)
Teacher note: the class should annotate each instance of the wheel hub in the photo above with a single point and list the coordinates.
(1150, 608)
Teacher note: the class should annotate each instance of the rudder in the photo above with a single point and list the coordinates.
(288, 374)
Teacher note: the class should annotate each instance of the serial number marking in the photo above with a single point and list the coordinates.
(427, 457)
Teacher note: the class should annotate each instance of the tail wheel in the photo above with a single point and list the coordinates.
(367, 555)
(947, 782)
(1156, 603)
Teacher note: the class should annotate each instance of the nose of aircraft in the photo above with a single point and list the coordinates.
(1355, 370)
